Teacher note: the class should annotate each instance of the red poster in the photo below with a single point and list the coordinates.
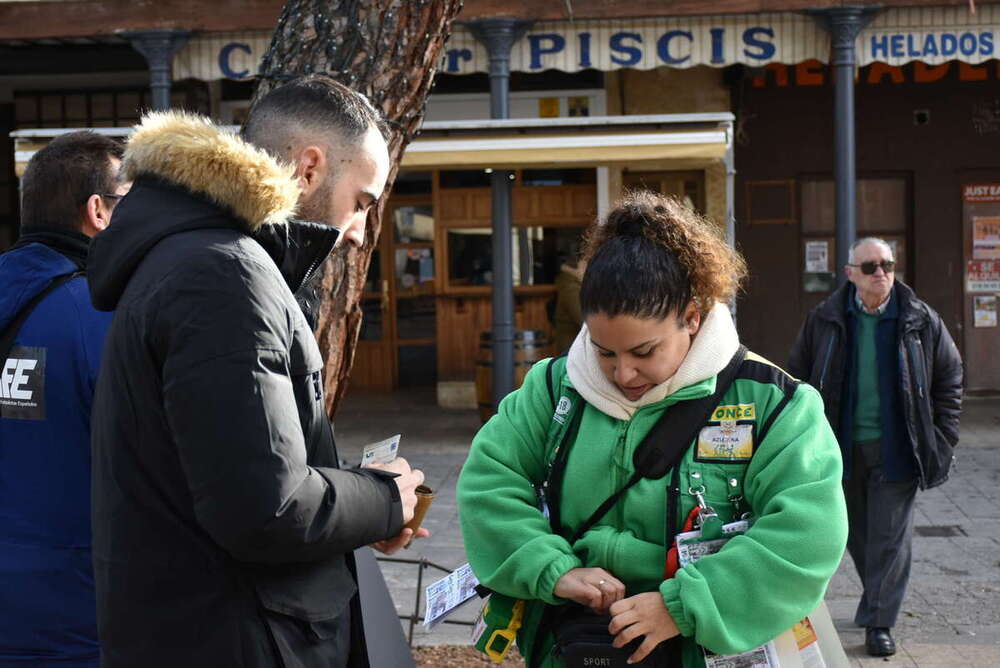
(982, 276)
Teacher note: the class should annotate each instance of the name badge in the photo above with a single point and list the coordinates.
(726, 441)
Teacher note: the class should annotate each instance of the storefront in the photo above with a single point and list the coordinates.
(925, 157)
(927, 110)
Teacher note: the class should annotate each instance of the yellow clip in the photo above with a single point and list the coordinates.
(506, 636)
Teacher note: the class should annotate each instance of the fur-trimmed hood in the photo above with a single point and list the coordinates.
(189, 150)
(190, 175)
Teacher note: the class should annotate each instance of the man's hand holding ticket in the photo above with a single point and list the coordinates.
(382, 455)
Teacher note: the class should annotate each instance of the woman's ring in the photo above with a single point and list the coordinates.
(602, 582)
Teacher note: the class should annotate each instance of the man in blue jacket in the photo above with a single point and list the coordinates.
(49, 366)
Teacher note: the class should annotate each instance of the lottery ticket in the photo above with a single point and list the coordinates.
(382, 452)
(448, 594)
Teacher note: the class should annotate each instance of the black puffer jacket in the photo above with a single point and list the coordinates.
(930, 374)
(223, 528)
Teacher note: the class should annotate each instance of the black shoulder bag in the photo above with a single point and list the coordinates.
(581, 635)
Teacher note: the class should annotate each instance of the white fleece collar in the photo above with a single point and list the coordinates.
(712, 349)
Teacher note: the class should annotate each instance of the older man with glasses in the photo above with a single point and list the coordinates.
(891, 378)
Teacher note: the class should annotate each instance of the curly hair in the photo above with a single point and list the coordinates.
(652, 255)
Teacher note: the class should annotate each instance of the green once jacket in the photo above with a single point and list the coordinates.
(756, 587)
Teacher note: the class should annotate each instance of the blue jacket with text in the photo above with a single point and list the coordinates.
(46, 389)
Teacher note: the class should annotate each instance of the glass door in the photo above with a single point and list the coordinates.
(397, 346)
(413, 291)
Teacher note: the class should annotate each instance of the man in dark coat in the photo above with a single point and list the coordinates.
(223, 525)
(891, 379)
(49, 358)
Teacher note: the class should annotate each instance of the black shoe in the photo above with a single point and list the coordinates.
(879, 642)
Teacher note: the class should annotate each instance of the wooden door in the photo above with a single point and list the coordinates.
(374, 360)
(412, 290)
(397, 346)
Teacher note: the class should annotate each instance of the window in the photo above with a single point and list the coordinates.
(537, 254)
(550, 211)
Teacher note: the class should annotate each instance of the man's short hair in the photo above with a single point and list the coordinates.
(852, 256)
(61, 177)
(316, 104)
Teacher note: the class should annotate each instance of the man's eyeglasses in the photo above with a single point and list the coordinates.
(868, 268)
(112, 196)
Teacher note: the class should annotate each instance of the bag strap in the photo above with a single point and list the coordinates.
(662, 447)
(550, 381)
(10, 334)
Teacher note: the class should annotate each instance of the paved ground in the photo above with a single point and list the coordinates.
(951, 617)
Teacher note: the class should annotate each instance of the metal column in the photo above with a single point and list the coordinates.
(498, 36)
(158, 48)
(844, 24)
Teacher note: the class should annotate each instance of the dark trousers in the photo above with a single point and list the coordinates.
(880, 516)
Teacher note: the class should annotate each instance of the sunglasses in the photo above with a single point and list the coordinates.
(868, 268)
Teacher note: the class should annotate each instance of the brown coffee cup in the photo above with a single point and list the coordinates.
(424, 497)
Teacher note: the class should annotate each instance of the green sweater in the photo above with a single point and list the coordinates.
(759, 585)
(867, 421)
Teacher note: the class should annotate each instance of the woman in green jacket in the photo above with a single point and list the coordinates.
(657, 333)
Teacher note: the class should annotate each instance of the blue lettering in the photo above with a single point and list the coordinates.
(911, 51)
(224, 54)
(718, 55)
(897, 46)
(930, 46)
(663, 46)
(456, 56)
(967, 43)
(556, 43)
(949, 44)
(764, 50)
(617, 44)
(880, 43)
(585, 50)
(986, 43)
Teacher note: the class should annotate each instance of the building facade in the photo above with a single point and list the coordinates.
(731, 111)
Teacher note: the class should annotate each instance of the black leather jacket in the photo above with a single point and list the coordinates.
(930, 374)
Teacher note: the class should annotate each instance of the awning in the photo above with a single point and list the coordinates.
(932, 35)
(591, 142)
(525, 143)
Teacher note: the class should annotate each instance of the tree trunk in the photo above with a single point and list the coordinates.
(388, 50)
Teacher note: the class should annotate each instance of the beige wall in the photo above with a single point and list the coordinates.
(671, 91)
(667, 90)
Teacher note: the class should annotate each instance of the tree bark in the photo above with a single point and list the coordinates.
(388, 50)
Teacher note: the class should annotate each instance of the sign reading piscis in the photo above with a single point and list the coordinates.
(896, 37)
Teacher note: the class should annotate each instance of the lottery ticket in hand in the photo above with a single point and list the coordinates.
(382, 452)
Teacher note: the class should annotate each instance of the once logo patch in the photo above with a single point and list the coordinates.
(735, 412)
(22, 384)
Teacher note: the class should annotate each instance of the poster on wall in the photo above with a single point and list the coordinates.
(985, 309)
(817, 256)
(981, 248)
(982, 276)
(986, 238)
